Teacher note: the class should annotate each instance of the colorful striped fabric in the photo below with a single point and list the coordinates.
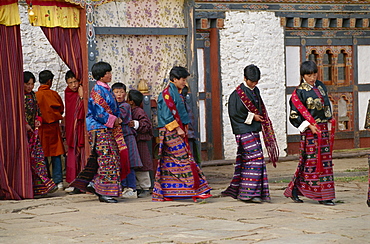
(107, 181)
(174, 177)
(250, 176)
(42, 184)
(310, 183)
(15, 167)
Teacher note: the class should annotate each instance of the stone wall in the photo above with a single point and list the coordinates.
(39, 55)
(254, 38)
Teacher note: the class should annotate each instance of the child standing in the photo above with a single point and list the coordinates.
(129, 183)
(42, 184)
(143, 127)
(52, 109)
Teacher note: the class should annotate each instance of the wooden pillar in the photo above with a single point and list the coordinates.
(216, 93)
(191, 54)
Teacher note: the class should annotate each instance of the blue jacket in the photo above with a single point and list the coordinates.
(164, 114)
(97, 116)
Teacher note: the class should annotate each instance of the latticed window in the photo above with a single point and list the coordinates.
(334, 63)
(327, 67)
(313, 56)
(335, 69)
(341, 67)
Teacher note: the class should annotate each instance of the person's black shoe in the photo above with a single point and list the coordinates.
(295, 197)
(75, 191)
(368, 202)
(91, 189)
(107, 199)
(327, 202)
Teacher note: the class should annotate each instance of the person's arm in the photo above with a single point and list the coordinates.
(165, 115)
(142, 123)
(296, 118)
(38, 121)
(99, 114)
(237, 110)
(60, 101)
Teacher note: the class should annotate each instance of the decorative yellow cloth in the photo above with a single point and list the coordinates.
(171, 126)
(54, 16)
(9, 14)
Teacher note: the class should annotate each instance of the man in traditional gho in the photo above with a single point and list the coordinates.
(178, 176)
(52, 109)
(248, 117)
(311, 113)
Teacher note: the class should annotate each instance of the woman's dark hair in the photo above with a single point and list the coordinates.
(118, 85)
(252, 73)
(136, 96)
(308, 67)
(99, 69)
(70, 75)
(178, 72)
(27, 76)
(45, 75)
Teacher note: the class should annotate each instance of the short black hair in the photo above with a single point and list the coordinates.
(45, 75)
(118, 85)
(178, 72)
(252, 73)
(99, 69)
(70, 75)
(308, 67)
(27, 76)
(136, 96)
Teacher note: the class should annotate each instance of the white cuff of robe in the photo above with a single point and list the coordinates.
(303, 126)
(136, 126)
(249, 119)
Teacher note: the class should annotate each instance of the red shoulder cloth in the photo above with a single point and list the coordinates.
(172, 106)
(307, 116)
(267, 129)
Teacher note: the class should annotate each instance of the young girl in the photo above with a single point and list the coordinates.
(42, 184)
(310, 113)
(103, 124)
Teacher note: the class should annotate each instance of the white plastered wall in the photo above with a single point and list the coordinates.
(256, 38)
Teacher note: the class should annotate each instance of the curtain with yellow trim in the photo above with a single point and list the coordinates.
(9, 14)
(15, 166)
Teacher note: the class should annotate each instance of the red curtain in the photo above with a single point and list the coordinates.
(66, 42)
(15, 168)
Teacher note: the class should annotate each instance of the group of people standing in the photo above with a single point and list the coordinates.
(118, 130)
(43, 112)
